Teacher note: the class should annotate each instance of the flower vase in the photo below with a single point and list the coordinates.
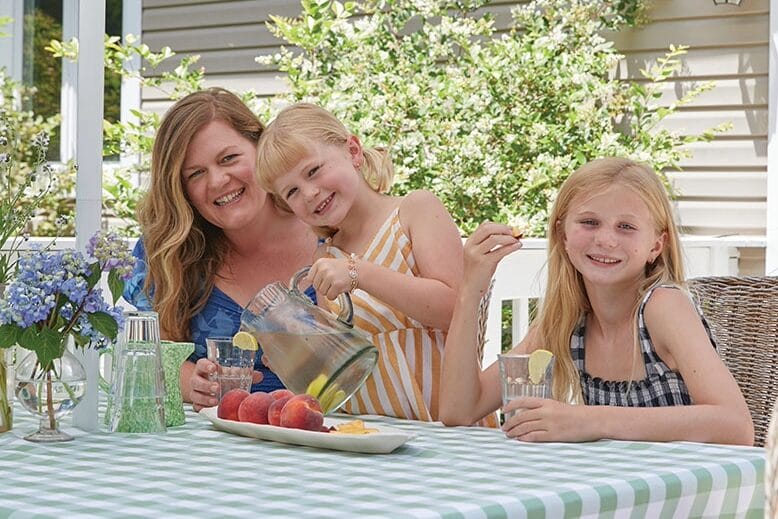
(50, 392)
(6, 389)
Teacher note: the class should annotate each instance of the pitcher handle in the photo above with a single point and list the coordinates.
(346, 314)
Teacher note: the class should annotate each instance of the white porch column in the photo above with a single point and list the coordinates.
(90, 30)
(771, 254)
(11, 46)
(132, 14)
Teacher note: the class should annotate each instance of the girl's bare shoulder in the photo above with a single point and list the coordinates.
(669, 304)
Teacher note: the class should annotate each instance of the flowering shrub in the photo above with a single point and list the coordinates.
(493, 124)
(29, 186)
(55, 295)
(25, 179)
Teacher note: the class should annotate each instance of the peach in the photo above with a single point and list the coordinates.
(279, 393)
(229, 403)
(302, 412)
(274, 412)
(254, 407)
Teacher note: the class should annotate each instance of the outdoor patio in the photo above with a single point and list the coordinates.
(727, 204)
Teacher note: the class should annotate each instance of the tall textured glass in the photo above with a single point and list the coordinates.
(6, 389)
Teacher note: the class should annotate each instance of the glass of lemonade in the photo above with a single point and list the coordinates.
(522, 375)
(234, 365)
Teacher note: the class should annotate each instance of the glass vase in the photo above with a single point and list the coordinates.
(6, 389)
(50, 392)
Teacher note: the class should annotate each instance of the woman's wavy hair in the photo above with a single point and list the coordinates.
(183, 250)
(565, 298)
(289, 137)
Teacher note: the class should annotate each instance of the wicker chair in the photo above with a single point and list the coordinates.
(743, 316)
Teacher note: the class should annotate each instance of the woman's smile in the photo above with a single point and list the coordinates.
(229, 198)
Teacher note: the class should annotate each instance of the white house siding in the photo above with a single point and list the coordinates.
(227, 35)
(722, 186)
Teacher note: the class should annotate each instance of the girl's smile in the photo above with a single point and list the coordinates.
(322, 207)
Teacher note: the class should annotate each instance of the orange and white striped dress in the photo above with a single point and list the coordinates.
(406, 380)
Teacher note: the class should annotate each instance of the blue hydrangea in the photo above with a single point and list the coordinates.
(48, 282)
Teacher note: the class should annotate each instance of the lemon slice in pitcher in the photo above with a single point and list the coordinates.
(316, 385)
(538, 362)
(245, 341)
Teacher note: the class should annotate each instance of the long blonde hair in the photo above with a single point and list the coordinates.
(565, 297)
(290, 136)
(183, 250)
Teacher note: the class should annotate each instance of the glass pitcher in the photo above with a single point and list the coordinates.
(310, 349)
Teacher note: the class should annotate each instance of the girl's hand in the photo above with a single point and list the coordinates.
(546, 420)
(330, 277)
(484, 249)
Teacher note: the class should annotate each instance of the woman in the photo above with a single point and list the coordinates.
(212, 238)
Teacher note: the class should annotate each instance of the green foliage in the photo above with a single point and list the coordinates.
(123, 187)
(26, 179)
(136, 138)
(46, 71)
(493, 124)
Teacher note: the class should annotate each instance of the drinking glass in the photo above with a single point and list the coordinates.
(139, 327)
(514, 373)
(234, 366)
(138, 386)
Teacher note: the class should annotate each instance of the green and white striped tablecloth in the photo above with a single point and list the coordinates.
(197, 471)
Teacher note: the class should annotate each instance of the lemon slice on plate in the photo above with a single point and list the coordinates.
(538, 362)
(245, 341)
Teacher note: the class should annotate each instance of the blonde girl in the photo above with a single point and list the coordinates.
(633, 357)
(399, 257)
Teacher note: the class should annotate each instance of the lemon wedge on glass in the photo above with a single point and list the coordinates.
(245, 341)
(538, 362)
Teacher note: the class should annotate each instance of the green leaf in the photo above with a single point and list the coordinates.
(51, 346)
(116, 285)
(94, 275)
(9, 334)
(29, 339)
(104, 323)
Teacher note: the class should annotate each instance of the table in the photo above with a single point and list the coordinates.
(196, 471)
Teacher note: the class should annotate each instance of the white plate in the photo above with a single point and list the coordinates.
(384, 441)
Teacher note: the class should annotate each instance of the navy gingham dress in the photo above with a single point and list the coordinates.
(661, 387)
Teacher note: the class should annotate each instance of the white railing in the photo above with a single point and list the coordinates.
(521, 277)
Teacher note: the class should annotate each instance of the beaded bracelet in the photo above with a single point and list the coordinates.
(352, 272)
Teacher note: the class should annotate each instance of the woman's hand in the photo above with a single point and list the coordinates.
(204, 392)
(546, 420)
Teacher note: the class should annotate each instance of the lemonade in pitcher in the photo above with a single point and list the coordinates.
(310, 349)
